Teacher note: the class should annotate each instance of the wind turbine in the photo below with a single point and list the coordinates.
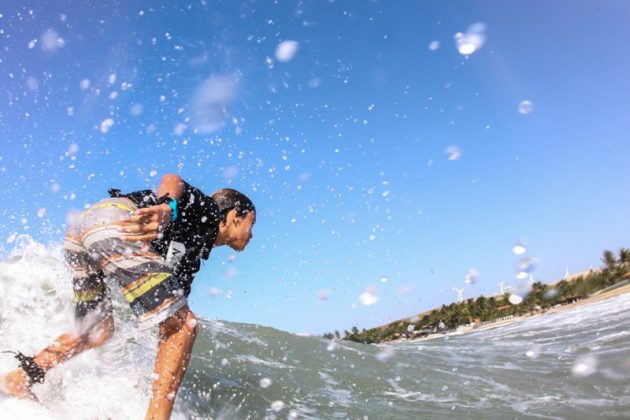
(505, 289)
(460, 294)
(531, 280)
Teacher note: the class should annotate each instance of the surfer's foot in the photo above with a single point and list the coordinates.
(17, 384)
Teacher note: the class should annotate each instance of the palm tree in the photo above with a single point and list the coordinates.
(609, 260)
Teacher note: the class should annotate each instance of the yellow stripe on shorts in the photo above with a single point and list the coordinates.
(89, 295)
(139, 288)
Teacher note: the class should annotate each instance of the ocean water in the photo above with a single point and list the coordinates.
(569, 365)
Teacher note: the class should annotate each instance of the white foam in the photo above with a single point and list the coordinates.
(37, 306)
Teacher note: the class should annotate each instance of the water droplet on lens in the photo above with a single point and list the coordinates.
(471, 276)
(277, 406)
(519, 249)
(385, 354)
(585, 366)
(525, 107)
(533, 353)
(527, 264)
(472, 40)
(106, 125)
(521, 275)
(515, 299)
(286, 50)
(323, 295)
(453, 152)
(369, 297)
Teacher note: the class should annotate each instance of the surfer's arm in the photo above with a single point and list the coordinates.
(147, 223)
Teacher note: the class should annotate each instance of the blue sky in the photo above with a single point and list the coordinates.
(380, 158)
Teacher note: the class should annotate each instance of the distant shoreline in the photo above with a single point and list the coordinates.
(468, 329)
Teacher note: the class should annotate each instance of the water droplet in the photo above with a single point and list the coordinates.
(525, 107)
(533, 353)
(369, 297)
(522, 275)
(519, 248)
(472, 40)
(434, 45)
(471, 276)
(515, 299)
(179, 129)
(453, 152)
(527, 264)
(41, 212)
(106, 125)
(550, 294)
(277, 405)
(385, 354)
(585, 366)
(51, 41)
(265, 383)
(286, 50)
(136, 109)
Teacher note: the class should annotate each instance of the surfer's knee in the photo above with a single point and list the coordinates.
(191, 325)
(182, 320)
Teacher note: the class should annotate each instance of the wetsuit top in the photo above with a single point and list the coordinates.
(196, 228)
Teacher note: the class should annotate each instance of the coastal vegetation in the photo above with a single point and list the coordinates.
(616, 269)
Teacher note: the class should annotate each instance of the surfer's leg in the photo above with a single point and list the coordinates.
(177, 336)
(93, 312)
(94, 325)
(18, 384)
(71, 344)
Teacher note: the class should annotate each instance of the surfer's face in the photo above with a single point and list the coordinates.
(240, 229)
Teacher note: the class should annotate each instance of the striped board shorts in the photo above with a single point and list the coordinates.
(94, 251)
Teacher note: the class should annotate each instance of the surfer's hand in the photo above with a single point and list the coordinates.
(146, 224)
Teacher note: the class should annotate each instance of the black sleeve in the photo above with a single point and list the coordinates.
(142, 198)
(191, 203)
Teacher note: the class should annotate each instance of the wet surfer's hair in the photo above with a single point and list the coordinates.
(228, 199)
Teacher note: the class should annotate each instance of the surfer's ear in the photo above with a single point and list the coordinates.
(231, 218)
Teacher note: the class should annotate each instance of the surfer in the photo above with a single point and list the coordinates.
(152, 246)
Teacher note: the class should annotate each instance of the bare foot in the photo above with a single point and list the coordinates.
(17, 384)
